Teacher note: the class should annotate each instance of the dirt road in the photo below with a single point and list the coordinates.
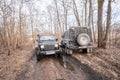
(64, 68)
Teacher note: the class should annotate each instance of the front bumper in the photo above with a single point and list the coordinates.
(49, 52)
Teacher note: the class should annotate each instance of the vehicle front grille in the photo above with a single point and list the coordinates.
(49, 47)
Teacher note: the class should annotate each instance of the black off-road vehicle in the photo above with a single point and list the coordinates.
(47, 45)
(77, 38)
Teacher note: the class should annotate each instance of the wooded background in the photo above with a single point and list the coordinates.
(21, 18)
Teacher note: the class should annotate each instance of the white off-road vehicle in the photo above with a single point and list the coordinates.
(77, 38)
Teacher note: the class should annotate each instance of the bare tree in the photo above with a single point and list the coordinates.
(108, 23)
(31, 10)
(65, 13)
(85, 12)
(90, 13)
(50, 9)
(76, 13)
(58, 18)
(100, 29)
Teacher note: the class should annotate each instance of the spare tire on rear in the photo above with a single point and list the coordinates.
(83, 39)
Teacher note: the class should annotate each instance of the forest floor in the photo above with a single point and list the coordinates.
(106, 62)
(14, 62)
(22, 65)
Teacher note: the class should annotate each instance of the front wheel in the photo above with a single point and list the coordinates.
(38, 57)
(58, 55)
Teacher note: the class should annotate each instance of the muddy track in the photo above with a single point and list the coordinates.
(64, 68)
(101, 63)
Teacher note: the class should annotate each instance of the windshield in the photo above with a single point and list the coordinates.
(47, 38)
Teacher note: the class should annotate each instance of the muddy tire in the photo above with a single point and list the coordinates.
(90, 50)
(57, 55)
(84, 50)
(38, 57)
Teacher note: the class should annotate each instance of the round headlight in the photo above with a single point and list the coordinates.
(56, 45)
(42, 46)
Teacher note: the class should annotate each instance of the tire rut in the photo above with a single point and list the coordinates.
(65, 68)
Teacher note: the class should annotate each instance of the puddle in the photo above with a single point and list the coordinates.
(65, 63)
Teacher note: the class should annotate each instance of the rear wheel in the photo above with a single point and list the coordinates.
(84, 50)
(90, 50)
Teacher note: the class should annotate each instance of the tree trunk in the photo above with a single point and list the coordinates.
(5, 25)
(65, 14)
(20, 22)
(108, 23)
(58, 19)
(85, 13)
(100, 29)
(76, 13)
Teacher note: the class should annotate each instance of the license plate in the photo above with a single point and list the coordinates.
(50, 52)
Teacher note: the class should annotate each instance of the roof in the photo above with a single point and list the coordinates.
(78, 27)
(46, 35)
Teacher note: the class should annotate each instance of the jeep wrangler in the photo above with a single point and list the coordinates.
(47, 45)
